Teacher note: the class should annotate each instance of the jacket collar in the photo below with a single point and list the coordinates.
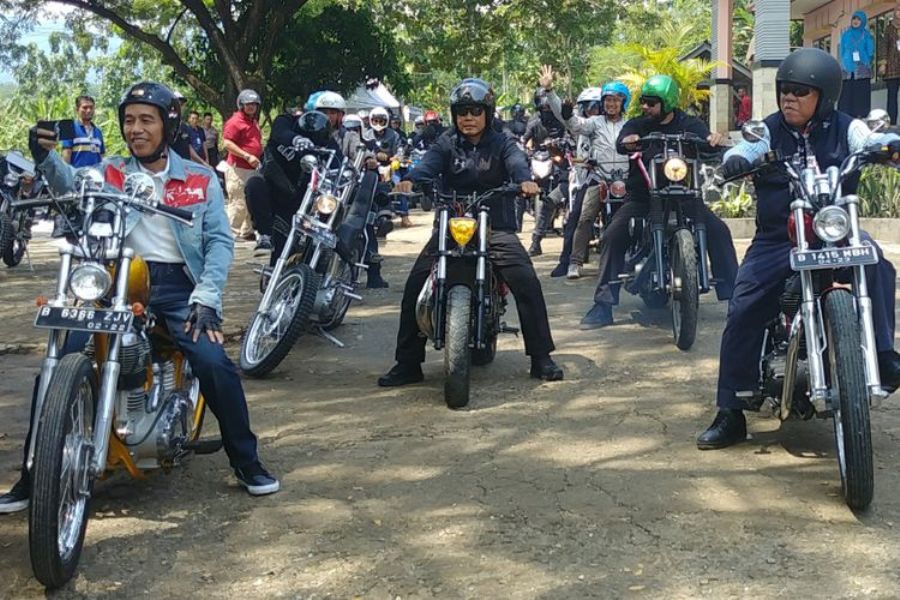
(177, 167)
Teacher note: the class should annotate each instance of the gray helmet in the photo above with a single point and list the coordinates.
(248, 97)
(817, 69)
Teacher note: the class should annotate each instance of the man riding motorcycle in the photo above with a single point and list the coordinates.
(475, 158)
(808, 84)
(188, 267)
(659, 98)
(518, 123)
(599, 132)
(544, 126)
(431, 131)
(383, 145)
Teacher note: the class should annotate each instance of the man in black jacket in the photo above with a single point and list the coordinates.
(475, 158)
(659, 96)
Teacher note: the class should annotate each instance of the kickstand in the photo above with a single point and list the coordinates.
(329, 337)
(504, 328)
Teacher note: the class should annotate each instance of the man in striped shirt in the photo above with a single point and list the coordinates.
(87, 148)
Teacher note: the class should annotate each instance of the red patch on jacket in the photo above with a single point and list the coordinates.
(114, 177)
(185, 193)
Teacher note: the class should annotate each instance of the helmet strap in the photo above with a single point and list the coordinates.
(157, 154)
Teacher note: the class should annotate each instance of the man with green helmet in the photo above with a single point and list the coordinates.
(659, 103)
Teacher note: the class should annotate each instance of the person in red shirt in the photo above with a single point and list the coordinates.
(745, 107)
(242, 140)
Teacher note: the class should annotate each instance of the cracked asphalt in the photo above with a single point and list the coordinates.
(586, 488)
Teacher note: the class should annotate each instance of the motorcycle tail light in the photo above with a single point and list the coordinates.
(462, 229)
(808, 230)
(617, 189)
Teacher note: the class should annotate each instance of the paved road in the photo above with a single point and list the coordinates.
(586, 488)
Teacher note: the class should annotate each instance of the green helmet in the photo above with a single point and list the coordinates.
(663, 87)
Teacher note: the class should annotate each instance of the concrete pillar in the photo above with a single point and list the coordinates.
(772, 32)
(721, 116)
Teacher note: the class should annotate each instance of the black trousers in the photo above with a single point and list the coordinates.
(856, 97)
(722, 256)
(510, 260)
(893, 86)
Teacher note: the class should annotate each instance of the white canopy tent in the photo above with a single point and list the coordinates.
(369, 98)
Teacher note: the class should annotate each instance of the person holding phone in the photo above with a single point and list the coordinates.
(84, 146)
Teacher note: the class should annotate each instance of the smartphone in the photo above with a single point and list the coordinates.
(65, 128)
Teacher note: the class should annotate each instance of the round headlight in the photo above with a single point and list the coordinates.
(326, 204)
(832, 224)
(89, 282)
(617, 188)
(675, 169)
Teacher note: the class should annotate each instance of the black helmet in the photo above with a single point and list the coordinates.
(817, 69)
(517, 110)
(154, 94)
(473, 92)
(540, 98)
(315, 126)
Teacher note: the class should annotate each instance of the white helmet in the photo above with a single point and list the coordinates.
(382, 116)
(248, 97)
(330, 100)
(352, 121)
(591, 94)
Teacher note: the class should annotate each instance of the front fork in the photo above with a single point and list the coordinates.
(483, 303)
(440, 292)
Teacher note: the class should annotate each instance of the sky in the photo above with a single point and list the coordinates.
(51, 20)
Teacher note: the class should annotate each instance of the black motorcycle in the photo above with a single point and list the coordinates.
(18, 181)
(669, 264)
(550, 164)
(462, 303)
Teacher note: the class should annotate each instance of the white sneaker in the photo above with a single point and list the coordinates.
(574, 271)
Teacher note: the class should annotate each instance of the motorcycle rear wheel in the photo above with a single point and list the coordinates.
(685, 288)
(852, 427)
(61, 480)
(457, 352)
(7, 233)
(271, 334)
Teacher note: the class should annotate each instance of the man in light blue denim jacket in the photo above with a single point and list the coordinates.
(188, 265)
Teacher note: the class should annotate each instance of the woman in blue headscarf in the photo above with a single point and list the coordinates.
(857, 50)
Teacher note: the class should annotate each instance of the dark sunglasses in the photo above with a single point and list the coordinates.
(379, 120)
(796, 90)
(475, 111)
(650, 101)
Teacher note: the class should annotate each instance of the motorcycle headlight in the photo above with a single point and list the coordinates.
(541, 168)
(675, 169)
(617, 189)
(462, 229)
(89, 282)
(832, 224)
(326, 204)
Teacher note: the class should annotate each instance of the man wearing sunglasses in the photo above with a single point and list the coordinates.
(808, 83)
(658, 101)
(474, 158)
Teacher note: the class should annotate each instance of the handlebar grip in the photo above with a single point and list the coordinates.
(180, 213)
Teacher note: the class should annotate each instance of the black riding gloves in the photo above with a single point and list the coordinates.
(38, 152)
(736, 166)
(203, 319)
(568, 109)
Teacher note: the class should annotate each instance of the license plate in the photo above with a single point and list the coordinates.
(320, 234)
(83, 319)
(833, 258)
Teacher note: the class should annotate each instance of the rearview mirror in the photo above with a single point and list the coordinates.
(755, 131)
(140, 187)
(878, 120)
(88, 179)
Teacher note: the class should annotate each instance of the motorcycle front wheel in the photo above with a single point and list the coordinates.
(343, 273)
(685, 288)
(14, 253)
(852, 428)
(273, 330)
(457, 352)
(61, 478)
(7, 233)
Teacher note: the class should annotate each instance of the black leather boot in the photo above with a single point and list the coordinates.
(727, 429)
(402, 374)
(535, 248)
(543, 367)
(889, 369)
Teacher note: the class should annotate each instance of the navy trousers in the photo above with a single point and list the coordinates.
(759, 284)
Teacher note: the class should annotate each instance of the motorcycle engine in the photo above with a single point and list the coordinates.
(134, 356)
(155, 424)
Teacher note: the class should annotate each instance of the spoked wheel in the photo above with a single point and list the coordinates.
(852, 429)
(61, 477)
(273, 330)
(457, 353)
(685, 288)
(14, 253)
(342, 274)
